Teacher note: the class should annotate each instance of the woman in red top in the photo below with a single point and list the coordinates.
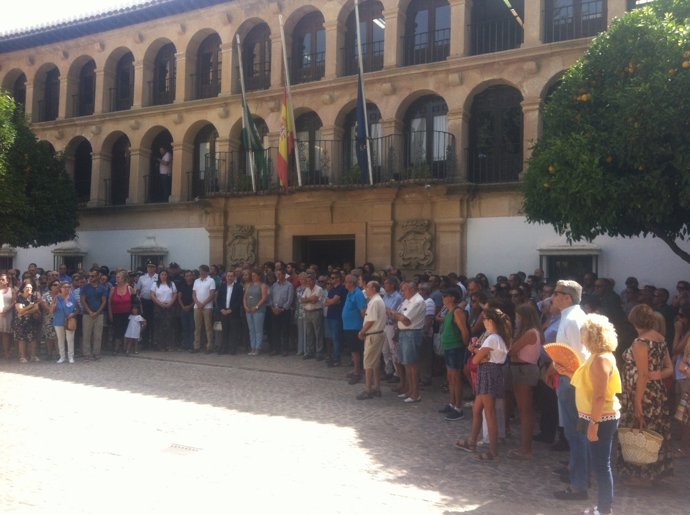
(119, 308)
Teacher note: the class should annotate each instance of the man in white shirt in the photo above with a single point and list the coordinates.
(372, 334)
(143, 288)
(203, 293)
(566, 297)
(312, 302)
(410, 317)
(165, 173)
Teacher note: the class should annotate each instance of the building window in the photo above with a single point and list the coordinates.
(495, 153)
(429, 148)
(118, 189)
(372, 27)
(83, 104)
(494, 28)
(256, 58)
(569, 261)
(208, 63)
(19, 89)
(204, 178)
(309, 49)
(313, 152)
(82, 171)
(427, 35)
(50, 100)
(571, 19)
(164, 76)
(122, 96)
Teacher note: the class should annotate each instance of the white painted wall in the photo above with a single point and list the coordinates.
(503, 245)
(188, 247)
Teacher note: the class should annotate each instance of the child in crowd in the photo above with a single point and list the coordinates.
(133, 333)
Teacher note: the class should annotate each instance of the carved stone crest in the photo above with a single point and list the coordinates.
(241, 245)
(416, 244)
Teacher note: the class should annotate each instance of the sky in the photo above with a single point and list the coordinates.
(31, 13)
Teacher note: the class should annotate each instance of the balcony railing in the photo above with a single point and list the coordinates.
(329, 163)
(426, 47)
(485, 168)
(47, 111)
(575, 20)
(257, 77)
(372, 57)
(205, 86)
(309, 68)
(495, 35)
(82, 105)
(161, 92)
(121, 100)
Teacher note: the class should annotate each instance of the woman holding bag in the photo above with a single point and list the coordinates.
(645, 399)
(65, 310)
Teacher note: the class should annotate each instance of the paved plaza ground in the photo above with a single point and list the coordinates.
(196, 434)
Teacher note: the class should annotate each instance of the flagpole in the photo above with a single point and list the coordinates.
(364, 97)
(245, 123)
(291, 112)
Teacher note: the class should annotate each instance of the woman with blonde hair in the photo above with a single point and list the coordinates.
(645, 399)
(596, 384)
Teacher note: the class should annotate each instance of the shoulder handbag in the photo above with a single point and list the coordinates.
(71, 324)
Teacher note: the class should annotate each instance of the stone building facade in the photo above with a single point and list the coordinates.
(454, 93)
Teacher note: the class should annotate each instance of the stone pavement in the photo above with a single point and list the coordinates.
(205, 434)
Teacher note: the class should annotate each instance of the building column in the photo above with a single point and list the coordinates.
(334, 42)
(534, 23)
(100, 96)
(100, 171)
(458, 126)
(183, 156)
(531, 113)
(215, 225)
(139, 163)
(615, 9)
(182, 79)
(137, 101)
(29, 101)
(226, 69)
(393, 48)
(276, 58)
(65, 82)
(460, 25)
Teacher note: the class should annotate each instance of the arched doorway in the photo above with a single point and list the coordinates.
(155, 192)
(119, 171)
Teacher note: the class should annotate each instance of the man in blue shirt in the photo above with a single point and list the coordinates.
(334, 316)
(93, 297)
(353, 319)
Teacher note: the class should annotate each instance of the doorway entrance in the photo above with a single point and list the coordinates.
(324, 250)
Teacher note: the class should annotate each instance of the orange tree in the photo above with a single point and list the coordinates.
(614, 158)
(38, 203)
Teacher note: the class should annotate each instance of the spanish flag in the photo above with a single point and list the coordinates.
(286, 144)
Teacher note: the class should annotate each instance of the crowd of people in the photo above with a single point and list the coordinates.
(487, 338)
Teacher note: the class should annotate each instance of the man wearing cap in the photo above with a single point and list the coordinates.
(143, 288)
(566, 297)
(372, 334)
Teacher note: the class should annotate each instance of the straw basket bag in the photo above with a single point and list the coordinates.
(639, 446)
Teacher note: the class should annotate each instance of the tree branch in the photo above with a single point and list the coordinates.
(671, 242)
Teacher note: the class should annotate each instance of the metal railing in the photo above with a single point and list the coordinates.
(372, 57)
(309, 68)
(121, 100)
(495, 35)
(485, 168)
(257, 76)
(206, 86)
(82, 105)
(426, 47)
(575, 20)
(161, 92)
(47, 111)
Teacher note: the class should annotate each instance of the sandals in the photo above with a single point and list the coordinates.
(485, 456)
(465, 445)
(517, 454)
